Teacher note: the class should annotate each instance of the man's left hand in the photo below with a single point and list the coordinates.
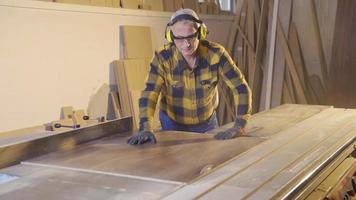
(230, 133)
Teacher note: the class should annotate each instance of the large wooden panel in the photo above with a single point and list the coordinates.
(35, 182)
(137, 41)
(178, 156)
(342, 81)
(266, 169)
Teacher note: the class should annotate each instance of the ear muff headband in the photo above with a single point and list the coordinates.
(203, 30)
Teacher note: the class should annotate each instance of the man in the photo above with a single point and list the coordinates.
(186, 72)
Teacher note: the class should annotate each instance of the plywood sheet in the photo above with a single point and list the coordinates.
(192, 4)
(154, 4)
(131, 75)
(178, 156)
(37, 182)
(137, 42)
(168, 5)
(131, 4)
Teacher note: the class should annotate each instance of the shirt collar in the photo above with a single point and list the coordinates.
(181, 64)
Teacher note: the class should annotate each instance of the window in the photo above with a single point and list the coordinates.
(226, 5)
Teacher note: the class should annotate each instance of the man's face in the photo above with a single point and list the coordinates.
(186, 30)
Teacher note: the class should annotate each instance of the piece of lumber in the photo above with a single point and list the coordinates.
(283, 165)
(154, 4)
(317, 88)
(116, 104)
(130, 4)
(192, 4)
(210, 182)
(284, 16)
(257, 62)
(286, 96)
(203, 7)
(178, 4)
(176, 151)
(134, 47)
(251, 38)
(49, 182)
(294, 45)
(233, 30)
(321, 54)
(66, 112)
(131, 75)
(301, 95)
(168, 5)
(289, 84)
(271, 51)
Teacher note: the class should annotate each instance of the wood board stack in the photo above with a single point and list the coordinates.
(264, 38)
(131, 71)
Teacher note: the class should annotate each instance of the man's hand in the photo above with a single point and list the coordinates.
(142, 137)
(230, 133)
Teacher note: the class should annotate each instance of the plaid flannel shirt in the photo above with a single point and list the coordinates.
(190, 96)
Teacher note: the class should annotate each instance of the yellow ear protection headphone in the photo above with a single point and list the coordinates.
(202, 30)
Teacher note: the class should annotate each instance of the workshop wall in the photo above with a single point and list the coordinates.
(54, 55)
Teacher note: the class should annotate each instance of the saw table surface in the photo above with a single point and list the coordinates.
(108, 168)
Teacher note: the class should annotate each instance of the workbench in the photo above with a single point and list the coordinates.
(287, 153)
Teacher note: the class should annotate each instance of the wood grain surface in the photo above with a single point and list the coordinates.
(45, 183)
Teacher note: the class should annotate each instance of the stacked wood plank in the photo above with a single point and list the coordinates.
(265, 44)
(131, 71)
(211, 7)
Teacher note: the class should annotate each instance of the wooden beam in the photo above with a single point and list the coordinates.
(291, 66)
(269, 70)
(284, 15)
(323, 65)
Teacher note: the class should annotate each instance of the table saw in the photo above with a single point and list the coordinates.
(289, 152)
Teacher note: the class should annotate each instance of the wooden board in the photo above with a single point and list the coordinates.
(280, 163)
(168, 5)
(131, 4)
(98, 2)
(342, 81)
(36, 182)
(192, 4)
(154, 4)
(116, 104)
(131, 75)
(289, 156)
(66, 112)
(178, 156)
(178, 4)
(137, 42)
(284, 15)
(300, 93)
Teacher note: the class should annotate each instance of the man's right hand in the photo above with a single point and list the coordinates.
(142, 137)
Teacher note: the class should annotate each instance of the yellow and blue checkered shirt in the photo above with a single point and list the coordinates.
(190, 96)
